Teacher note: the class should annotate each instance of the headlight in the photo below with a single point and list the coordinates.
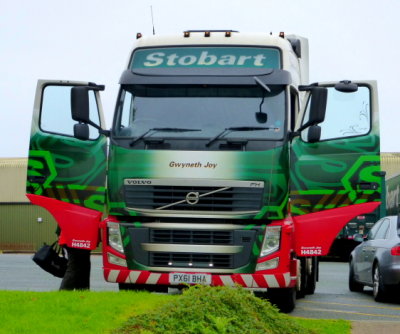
(114, 237)
(272, 240)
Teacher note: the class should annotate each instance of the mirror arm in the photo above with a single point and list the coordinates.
(101, 131)
(293, 134)
(105, 132)
(93, 86)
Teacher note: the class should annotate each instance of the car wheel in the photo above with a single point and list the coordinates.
(353, 284)
(378, 287)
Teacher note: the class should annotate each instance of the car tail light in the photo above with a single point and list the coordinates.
(395, 250)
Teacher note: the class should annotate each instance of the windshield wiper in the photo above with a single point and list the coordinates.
(133, 142)
(238, 128)
(263, 85)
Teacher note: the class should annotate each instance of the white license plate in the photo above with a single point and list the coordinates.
(181, 278)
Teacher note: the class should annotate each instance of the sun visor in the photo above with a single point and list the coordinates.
(215, 76)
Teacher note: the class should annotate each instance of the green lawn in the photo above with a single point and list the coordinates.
(106, 312)
(71, 312)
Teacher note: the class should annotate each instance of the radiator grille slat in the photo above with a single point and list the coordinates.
(211, 199)
(191, 237)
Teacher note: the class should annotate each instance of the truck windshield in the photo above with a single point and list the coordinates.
(209, 109)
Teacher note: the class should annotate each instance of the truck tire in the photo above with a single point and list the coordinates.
(354, 286)
(284, 299)
(312, 277)
(302, 279)
(142, 287)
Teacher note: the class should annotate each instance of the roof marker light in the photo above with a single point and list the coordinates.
(186, 34)
(282, 34)
(139, 35)
(207, 34)
(228, 34)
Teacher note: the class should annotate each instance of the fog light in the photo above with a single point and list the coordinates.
(116, 260)
(270, 264)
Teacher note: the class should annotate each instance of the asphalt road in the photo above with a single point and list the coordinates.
(332, 299)
(19, 272)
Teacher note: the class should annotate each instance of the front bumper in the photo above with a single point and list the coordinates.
(278, 280)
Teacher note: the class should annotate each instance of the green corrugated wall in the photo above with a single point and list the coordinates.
(20, 229)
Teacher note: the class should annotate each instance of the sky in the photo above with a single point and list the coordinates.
(90, 40)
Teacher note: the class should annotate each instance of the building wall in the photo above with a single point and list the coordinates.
(25, 227)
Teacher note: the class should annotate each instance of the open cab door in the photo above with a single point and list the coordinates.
(335, 162)
(67, 158)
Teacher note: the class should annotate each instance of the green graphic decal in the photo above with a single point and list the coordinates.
(68, 170)
(269, 167)
(334, 174)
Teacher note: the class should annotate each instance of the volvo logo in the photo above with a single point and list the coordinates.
(192, 198)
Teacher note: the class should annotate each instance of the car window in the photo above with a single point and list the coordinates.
(382, 231)
(374, 229)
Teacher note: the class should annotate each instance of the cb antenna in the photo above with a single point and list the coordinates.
(152, 19)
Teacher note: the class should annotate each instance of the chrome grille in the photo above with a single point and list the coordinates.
(239, 196)
(191, 237)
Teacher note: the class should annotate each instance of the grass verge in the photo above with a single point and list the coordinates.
(71, 311)
(202, 310)
(221, 310)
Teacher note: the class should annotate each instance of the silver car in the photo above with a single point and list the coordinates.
(376, 261)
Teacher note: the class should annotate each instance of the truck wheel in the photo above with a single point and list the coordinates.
(302, 279)
(142, 287)
(312, 277)
(353, 284)
(284, 299)
(378, 291)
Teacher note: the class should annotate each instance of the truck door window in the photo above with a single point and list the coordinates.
(347, 114)
(55, 115)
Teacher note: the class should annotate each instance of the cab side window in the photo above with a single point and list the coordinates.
(55, 113)
(347, 114)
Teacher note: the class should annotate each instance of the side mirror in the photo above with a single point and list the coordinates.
(346, 86)
(358, 237)
(81, 131)
(319, 98)
(318, 101)
(314, 134)
(80, 104)
(80, 110)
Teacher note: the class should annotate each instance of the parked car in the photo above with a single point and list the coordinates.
(376, 261)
